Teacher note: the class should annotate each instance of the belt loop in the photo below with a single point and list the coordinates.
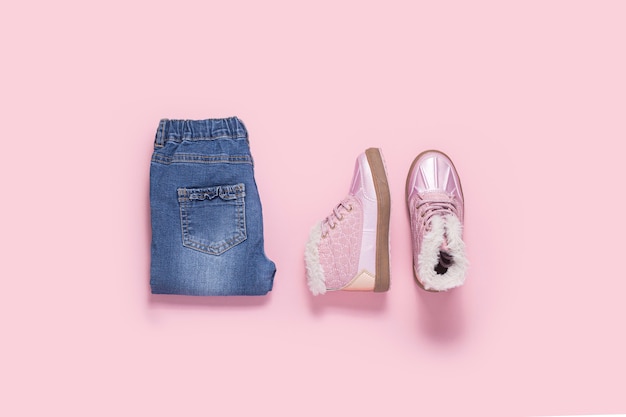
(241, 128)
(159, 140)
(234, 127)
(185, 130)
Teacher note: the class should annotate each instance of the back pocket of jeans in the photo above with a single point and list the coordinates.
(213, 219)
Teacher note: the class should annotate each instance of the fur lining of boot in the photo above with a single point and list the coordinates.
(314, 272)
(442, 228)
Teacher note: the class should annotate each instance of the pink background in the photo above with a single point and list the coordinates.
(529, 100)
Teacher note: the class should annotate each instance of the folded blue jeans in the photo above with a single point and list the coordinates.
(207, 222)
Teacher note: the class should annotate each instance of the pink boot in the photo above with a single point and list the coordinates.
(435, 200)
(349, 250)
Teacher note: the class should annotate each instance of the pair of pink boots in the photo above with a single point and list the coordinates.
(349, 250)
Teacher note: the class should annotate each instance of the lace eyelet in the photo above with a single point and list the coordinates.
(333, 226)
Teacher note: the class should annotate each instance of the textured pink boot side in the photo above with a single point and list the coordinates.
(349, 250)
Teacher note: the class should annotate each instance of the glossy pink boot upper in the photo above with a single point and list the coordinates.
(340, 246)
(435, 203)
(340, 254)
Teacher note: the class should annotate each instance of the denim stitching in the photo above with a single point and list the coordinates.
(201, 159)
(213, 248)
(206, 138)
(191, 156)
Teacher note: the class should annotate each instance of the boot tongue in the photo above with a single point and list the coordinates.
(434, 198)
(445, 259)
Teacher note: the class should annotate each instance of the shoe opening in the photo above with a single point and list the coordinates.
(444, 262)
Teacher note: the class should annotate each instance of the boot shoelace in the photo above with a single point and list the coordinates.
(434, 208)
(330, 222)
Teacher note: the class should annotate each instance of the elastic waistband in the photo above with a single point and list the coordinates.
(208, 129)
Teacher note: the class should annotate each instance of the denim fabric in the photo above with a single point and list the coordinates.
(207, 225)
